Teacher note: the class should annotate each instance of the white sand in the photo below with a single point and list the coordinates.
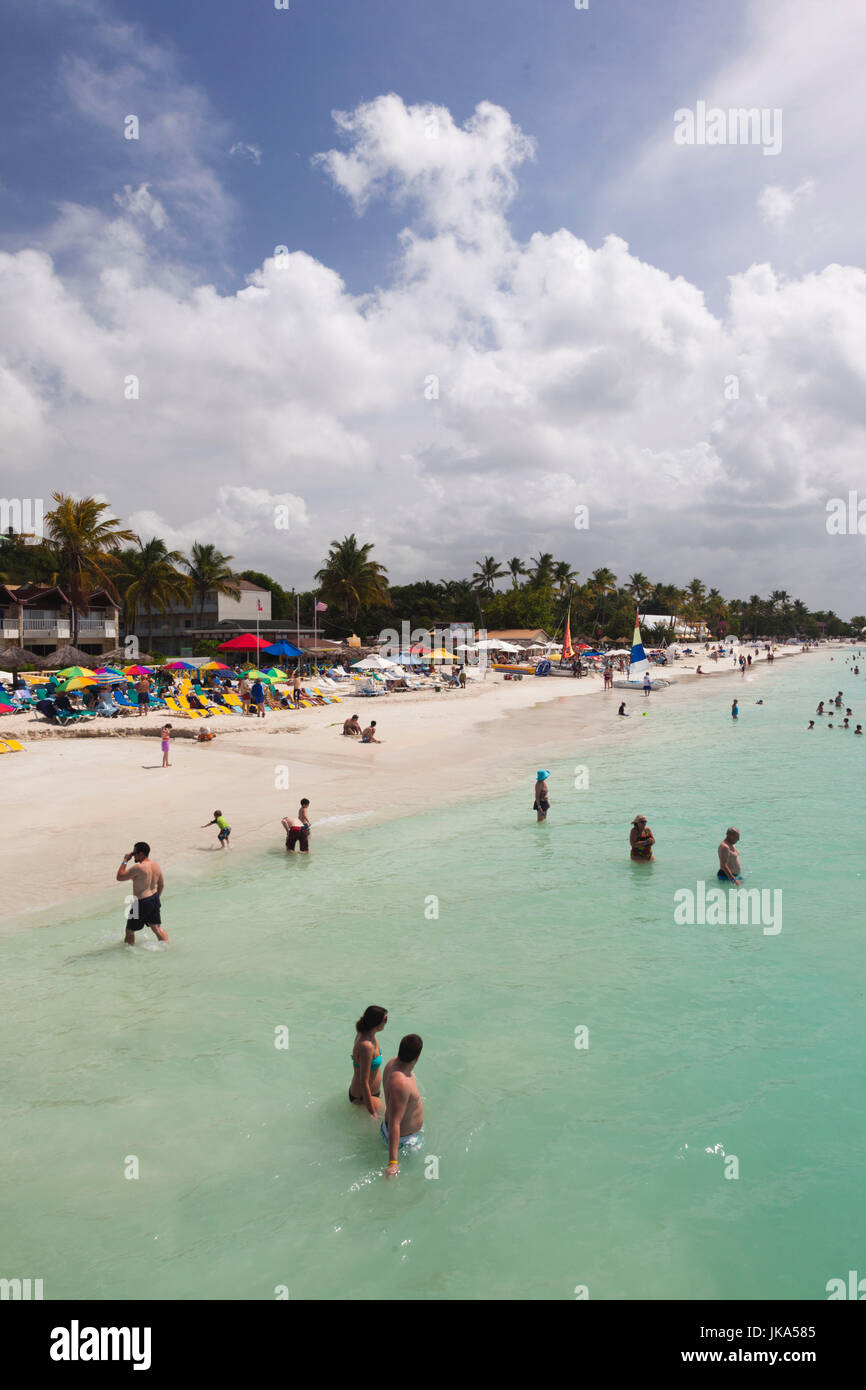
(81, 797)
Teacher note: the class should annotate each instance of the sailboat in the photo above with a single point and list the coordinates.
(639, 666)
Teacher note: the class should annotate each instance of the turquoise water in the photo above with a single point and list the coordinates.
(557, 1166)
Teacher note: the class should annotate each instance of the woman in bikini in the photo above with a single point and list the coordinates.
(367, 1059)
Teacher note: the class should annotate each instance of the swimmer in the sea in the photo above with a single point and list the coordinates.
(811, 725)
(367, 1059)
(403, 1125)
(729, 857)
(641, 839)
(859, 729)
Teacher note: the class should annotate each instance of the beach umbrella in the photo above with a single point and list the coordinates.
(77, 683)
(245, 642)
(276, 674)
(69, 671)
(282, 648)
(214, 666)
(181, 666)
(137, 671)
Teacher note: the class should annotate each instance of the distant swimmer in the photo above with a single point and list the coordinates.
(223, 827)
(621, 710)
(541, 804)
(859, 729)
(820, 709)
(729, 857)
(352, 726)
(811, 725)
(367, 1059)
(403, 1125)
(147, 885)
(759, 702)
(735, 710)
(641, 839)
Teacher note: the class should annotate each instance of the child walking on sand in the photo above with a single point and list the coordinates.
(224, 829)
(166, 744)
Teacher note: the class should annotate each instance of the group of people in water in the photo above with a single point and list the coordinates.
(835, 703)
(401, 1115)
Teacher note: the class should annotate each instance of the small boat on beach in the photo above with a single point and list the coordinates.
(639, 666)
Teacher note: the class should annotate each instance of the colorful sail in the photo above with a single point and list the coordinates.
(638, 664)
(567, 648)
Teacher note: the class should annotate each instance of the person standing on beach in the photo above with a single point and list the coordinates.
(142, 690)
(147, 887)
(403, 1125)
(224, 828)
(166, 744)
(257, 697)
(647, 685)
(244, 690)
(367, 1059)
(729, 857)
(641, 839)
(296, 688)
(541, 804)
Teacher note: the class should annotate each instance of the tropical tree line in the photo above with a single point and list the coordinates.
(85, 549)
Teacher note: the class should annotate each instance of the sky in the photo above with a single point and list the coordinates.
(451, 277)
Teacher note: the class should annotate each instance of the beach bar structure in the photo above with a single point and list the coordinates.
(40, 618)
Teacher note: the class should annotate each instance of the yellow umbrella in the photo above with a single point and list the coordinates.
(77, 683)
(440, 654)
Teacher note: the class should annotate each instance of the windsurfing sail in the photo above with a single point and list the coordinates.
(567, 648)
(638, 664)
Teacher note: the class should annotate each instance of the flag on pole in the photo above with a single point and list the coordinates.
(321, 608)
(259, 604)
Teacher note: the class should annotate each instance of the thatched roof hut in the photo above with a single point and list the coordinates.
(66, 656)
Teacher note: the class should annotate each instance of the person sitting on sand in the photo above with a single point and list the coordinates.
(403, 1125)
(641, 839)
(541, 804)
(369, 734)
(367, 1059)
(205, 735)
(729, 857)
(352, 727)
(621, 710)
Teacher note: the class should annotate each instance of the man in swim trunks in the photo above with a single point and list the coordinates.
(352, 726)
(729, 857)
(402, 1127)
(297, 828)
(147, 885)
(369, 735)
(142, 690)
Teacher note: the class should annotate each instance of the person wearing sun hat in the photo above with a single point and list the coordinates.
(541, 804)
(641, 839)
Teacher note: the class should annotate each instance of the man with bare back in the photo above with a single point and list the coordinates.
(147, 885)
(402, 1127)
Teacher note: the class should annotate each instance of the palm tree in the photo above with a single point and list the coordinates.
(351, 580)
(85, 545)
(639, 588)
(209, 572)
(564, 576)
(487, 573)
(601, 583)
(516, 569)
(152, 581)
(541, 573)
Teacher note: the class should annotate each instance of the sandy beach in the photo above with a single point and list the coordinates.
(83, 797)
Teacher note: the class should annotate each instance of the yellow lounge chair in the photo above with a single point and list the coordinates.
(11, 745)
(173, 704)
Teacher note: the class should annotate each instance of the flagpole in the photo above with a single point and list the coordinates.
(315, 627)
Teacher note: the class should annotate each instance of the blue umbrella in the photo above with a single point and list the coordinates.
(282, 648)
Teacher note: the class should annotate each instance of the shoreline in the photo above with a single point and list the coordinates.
(81, 795)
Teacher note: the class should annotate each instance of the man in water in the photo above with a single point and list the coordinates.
(812, 725)
(352, 726)
(147, 885)
(297, 828)
(729, 857)
(402, 1127)
(541, 804)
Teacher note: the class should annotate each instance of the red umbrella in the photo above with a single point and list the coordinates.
(245, 643)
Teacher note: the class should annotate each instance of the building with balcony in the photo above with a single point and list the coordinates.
(186, 622)
(39, 618)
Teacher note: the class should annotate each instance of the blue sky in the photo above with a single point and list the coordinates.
(582, 289)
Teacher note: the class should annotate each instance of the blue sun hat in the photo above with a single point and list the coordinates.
(542, 775)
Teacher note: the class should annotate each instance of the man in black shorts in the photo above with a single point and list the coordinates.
(147, 885)
(298, 828)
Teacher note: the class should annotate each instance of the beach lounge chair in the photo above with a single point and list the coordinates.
(182, 710)
(10, 745)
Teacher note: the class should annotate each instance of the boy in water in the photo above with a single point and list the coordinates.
(224, 829)
(298, 828)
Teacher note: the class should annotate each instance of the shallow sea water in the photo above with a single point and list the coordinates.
(558, 1165)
